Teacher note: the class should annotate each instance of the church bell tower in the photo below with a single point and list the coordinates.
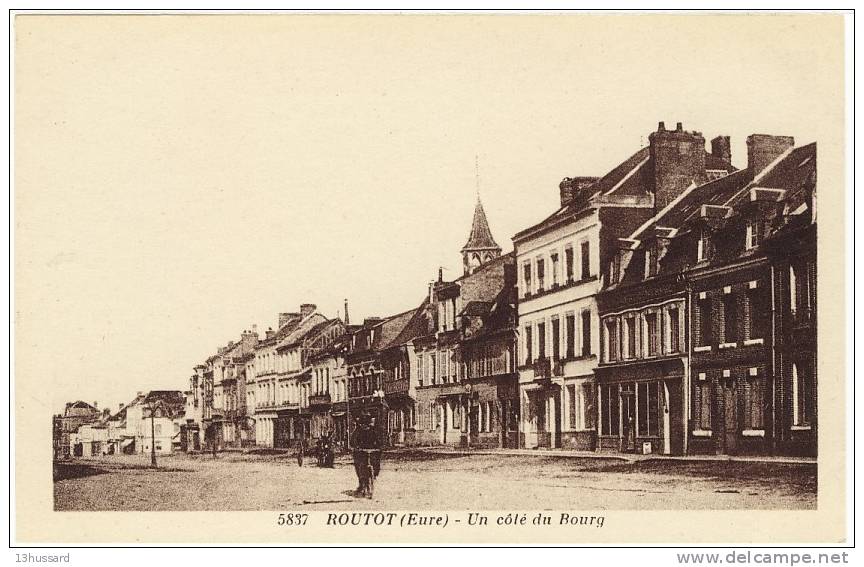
(481, 247)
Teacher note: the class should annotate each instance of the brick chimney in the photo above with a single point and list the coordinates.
(285, 317)
(570, 187)
(763, 149)
(677, 160)
(346, 313)
(248, 339)
(307, 309)
(721, 148)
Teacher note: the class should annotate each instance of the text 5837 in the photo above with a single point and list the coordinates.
(290, 519)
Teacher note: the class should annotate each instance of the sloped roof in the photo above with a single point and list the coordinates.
(390, 329)
(622, 172)
(417, 326)
(480, 236)
(304, 328)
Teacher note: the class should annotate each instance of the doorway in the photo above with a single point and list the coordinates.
(628, 418)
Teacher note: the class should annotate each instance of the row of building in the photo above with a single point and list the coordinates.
(668, 306)
(150, 422)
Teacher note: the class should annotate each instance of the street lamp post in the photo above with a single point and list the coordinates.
(152, 435)
(468, 390)
(379, 395)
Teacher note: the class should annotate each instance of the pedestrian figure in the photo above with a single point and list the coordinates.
(367, 454)
(301, 450)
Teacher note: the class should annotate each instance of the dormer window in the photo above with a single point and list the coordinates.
(754, 234)
(614, 269)
(702, 246)
(650, 261)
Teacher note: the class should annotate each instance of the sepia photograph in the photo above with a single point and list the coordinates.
(476, 270)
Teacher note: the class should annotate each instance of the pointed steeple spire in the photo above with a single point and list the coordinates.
(480, 237)
(481, 247)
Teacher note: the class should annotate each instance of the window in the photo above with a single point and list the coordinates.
(568, 261)
(541, 340)
(650, 261)
(609, 418)
(572, 402)
(570, 322)
(612, 340)
(157, 429)
(702, 246)
(758, 312)
(648, 408)
(586, 260)
(554, 268)
(730, 319)
(801, 397)
(754, 234)
(421, 370)
(793, 289)
(586, 333)
(652, 333)
(753, 404)
(630, 337)
(674, 329)
(541, 275)
(527, 277)
(556, 339)
(528, 344)
(456, 413)
(587, 406)
(702, 405)
(614, 268)
(705, 322)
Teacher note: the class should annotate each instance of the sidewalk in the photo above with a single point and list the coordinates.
(624, 457)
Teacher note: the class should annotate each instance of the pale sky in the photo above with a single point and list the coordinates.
(179, 179)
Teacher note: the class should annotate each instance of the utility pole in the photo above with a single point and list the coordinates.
(152, 435)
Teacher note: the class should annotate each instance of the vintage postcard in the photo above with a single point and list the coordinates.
(430, 278)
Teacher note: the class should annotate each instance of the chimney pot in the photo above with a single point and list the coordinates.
(661, 127)
(679, 127)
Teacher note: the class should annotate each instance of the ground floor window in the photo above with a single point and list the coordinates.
(801, 396)
(648, 408)
(702, 405)
(754, 408)
(579, 401)
(609, 410)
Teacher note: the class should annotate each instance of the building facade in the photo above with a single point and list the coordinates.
(690, 318)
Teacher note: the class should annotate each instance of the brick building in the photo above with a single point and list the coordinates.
(689, 318)
(560, 264)
(466, 380)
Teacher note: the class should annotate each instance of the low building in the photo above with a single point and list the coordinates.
(75, 415)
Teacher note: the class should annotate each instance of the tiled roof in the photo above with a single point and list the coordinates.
(390, 329)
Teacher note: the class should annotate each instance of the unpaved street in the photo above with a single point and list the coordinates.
(434, 481)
